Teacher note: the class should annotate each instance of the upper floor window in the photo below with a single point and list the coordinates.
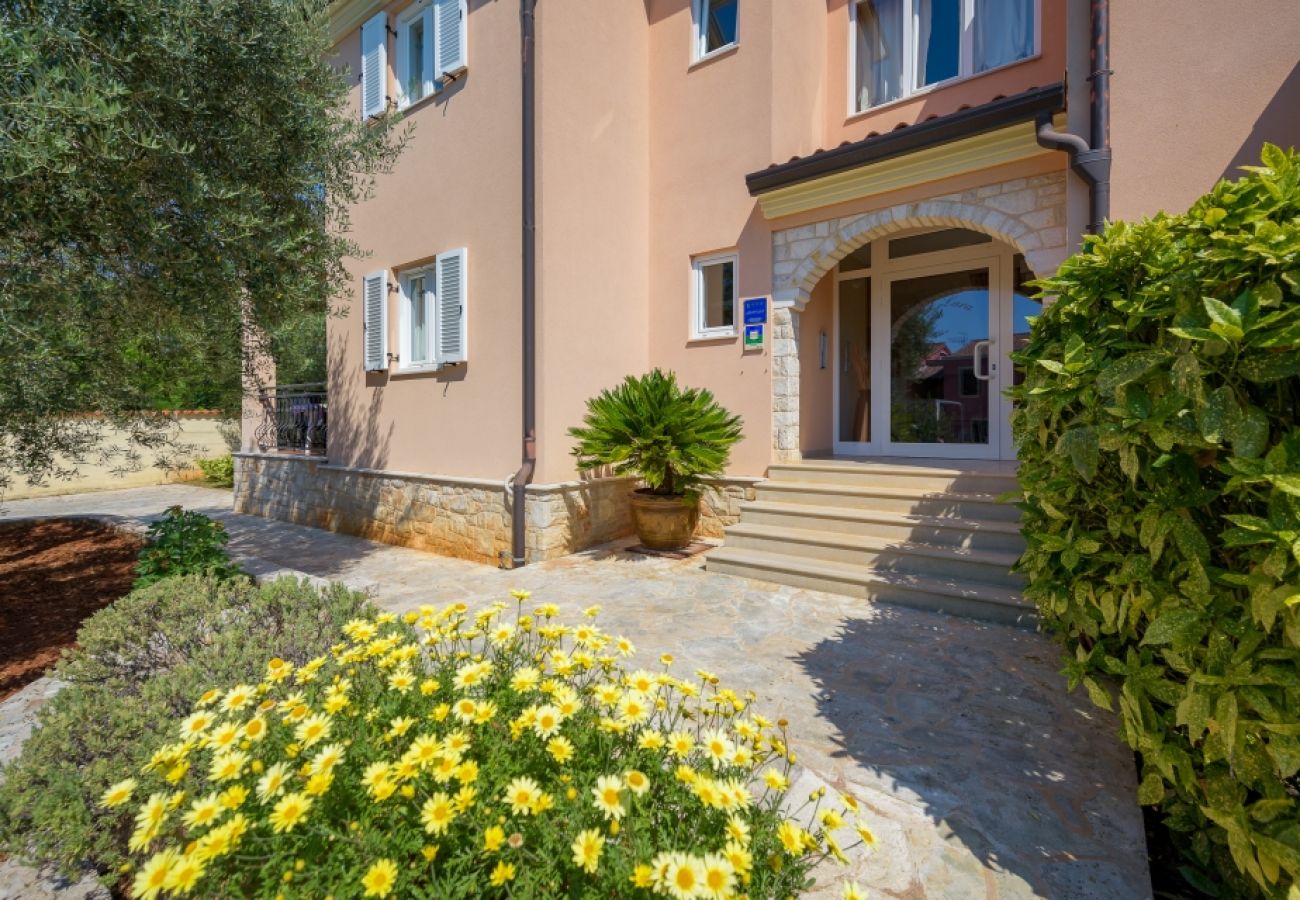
(415, 53)
(901, 47)
(715, 26)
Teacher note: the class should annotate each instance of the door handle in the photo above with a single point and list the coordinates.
(975, 360)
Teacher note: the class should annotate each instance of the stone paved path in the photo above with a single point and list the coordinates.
(982, 777)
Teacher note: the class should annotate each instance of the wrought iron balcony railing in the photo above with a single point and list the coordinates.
(294, 419)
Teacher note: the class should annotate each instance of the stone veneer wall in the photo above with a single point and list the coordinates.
(467, 518)
(1027, 213)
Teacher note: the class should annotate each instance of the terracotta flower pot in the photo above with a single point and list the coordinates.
(663, 521)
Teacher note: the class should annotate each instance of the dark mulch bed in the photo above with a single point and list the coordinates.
(53, 575)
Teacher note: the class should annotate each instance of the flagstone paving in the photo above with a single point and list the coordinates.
(980, 775)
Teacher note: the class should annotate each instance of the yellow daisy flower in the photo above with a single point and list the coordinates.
(312, 729)
(546, 722)
(684, 877)
(238, 697)
(636, 782)
(680, 744)
(587, 847)
(608, 793)
(437, 813)
(503, 872)
(380, 878)
(523, 795)
(560, 748)
(152, 877)
(853, 891)
(271, 783)
(119, 793)
(493, 838)
(184, 874)
(718, 876)
(203, 811)
(289, 811)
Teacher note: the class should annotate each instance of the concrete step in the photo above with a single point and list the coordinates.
(935, 593)
(968, 480)
(991, 568)
(982, 506)
(943, 531)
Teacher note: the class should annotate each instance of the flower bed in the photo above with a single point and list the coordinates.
(459, 754)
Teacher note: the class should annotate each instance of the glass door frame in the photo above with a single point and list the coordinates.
(998, 259)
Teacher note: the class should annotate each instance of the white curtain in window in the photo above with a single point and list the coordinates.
(880, 52)
(1004, 32)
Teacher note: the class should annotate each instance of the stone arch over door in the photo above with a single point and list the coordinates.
(1025, 213)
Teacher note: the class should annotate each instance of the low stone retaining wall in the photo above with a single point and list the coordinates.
(468, 518)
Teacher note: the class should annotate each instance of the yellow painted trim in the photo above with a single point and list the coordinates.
(346, 16)
(982, 151)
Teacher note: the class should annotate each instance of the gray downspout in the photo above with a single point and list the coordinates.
(521, 478)
(1091, 162)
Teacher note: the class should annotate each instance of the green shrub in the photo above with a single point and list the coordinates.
(218, 470)
(140, 663)
(184, 543)
(459, 754)
(668, 436)
(1160, 457)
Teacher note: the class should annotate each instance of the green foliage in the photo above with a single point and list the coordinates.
(184, 543)
(140, 663)
(175, 181)
(672, 438)
(1160, 455)
(218, 470)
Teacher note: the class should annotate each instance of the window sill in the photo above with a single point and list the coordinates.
(861, 114)
(429, 369)
(714, 55)
(718, 337)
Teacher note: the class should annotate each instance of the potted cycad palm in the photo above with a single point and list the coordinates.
(668, 436)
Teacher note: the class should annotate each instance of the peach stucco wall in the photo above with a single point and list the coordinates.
(456, 185)
(641, 162)
(1197, 90)
(593, 168)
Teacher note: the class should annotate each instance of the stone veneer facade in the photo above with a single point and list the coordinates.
(1027, 213)
(468, 518)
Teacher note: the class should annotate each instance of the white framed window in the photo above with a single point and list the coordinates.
(717, 26)
(433, 322)
(714, 301)
(415, 53)
(903, 47)
(417, 298)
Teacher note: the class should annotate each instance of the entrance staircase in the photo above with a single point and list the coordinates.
(929, 534)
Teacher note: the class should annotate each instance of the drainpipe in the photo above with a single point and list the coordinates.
(529, 350)
(1091, 162)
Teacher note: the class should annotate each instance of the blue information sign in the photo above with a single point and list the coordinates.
(755, 310)
(753, 335)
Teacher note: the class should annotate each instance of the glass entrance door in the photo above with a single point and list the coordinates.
(937, 340)
(924, 324)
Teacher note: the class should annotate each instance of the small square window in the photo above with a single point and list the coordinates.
(716, 26)
(715, 296)
(417, 319)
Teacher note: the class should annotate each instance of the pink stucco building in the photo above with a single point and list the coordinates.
(879, 178)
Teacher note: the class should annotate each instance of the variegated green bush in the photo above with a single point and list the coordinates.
(1160, 457)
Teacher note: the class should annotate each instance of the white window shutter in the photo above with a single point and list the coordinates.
(450, 314)
(451, 24)
(375, 320)
(374, 66)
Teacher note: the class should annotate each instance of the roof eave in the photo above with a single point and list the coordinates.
(945, 129)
